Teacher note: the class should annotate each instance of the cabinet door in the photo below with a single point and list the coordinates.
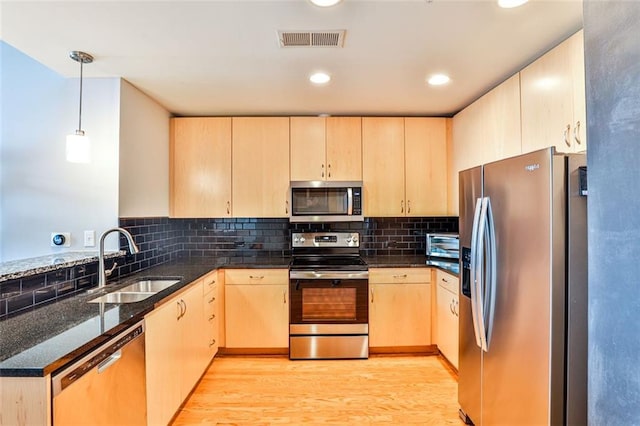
(163, 352)
(425, 145)
(501, 111)
(194, 353)
(399, 315)
(260, 183)
(383, 166)
(579, 133)
(447, 324)
(257, 316)
(344, 148)
(308, 156)
(547, 101)
(200, 167)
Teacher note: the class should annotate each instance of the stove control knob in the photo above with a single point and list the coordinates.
(302, 240)
(349, 240)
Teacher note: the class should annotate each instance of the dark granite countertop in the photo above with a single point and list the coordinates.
(410, 262)
(41, 341)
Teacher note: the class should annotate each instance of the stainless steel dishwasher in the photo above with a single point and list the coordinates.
(105, 387)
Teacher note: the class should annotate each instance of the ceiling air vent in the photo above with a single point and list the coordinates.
(333, 38)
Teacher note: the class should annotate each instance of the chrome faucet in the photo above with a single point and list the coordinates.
(102, 274)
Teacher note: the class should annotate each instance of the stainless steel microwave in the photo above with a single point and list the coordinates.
(443, 245)
(326, 201)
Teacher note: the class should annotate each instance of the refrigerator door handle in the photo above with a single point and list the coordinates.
(474, 275)
(490, 276)
(481, 283)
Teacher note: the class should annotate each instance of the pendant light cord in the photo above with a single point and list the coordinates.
(80, 108)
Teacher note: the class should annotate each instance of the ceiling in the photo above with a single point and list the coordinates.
(223, 57)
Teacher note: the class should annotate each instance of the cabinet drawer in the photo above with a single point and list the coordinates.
(448, 281)
(210, 282)
(256, 276)
(399, 275)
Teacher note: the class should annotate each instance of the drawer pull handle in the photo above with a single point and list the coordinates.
(212, 282)
(400, 276)
(256, 277)
(445, 280)
(211, 317)
(213, 342)
(212, 299)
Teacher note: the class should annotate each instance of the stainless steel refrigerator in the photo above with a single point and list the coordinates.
(523, 291)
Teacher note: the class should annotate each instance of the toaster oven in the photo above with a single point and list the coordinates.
(443, 246)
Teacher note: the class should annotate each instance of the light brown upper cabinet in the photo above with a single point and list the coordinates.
(425, 152)
(485, 131)
(326, 148)
(200, 167)
(260, 166)
(553, 99)
(404, 166)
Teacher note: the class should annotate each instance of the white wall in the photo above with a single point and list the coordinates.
(144, 155)
(39, 191)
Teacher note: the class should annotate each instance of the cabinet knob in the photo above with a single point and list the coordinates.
(213, 342)
(211, 318)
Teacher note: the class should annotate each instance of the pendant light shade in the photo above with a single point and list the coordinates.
(78, 144)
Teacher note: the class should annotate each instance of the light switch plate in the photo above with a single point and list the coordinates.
(89, 238)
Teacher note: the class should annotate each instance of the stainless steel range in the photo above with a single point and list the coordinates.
(328, 287)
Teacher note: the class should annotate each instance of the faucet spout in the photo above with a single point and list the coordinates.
(133, 248)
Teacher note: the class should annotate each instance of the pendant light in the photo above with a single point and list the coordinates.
(78, 145)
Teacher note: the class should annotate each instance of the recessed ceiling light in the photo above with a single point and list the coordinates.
(438, 79)
(320, 78)
(325, 3)
(508, 4)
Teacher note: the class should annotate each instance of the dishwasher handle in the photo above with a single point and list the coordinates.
(100, 358)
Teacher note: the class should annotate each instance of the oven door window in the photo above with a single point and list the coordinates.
(319, 301)
(319, 201)
(321, 304)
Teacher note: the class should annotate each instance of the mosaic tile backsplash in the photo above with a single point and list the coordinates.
(161, 240)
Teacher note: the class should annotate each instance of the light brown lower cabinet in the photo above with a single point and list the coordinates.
(175, 352)
(399, 309)
(256, 309)
(447, 316)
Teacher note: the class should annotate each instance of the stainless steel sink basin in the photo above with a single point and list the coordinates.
(138, 291)
(121, 297)
(149, 285)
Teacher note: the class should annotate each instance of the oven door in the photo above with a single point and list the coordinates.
(328, 298)
(329, 315)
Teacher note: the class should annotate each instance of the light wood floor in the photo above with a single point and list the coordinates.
(396, 390)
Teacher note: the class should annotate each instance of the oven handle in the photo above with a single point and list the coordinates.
(315, 275)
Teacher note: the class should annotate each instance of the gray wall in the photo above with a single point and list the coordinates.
(612, 55)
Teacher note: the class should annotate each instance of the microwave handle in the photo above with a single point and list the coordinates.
(349, 201)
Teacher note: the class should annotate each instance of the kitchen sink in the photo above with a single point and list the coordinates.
(149, 285)
(121, 297)
(138, 291)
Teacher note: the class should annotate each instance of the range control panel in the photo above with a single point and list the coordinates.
(325, 239)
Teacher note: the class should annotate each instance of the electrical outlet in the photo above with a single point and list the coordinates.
(60, 239)
(89, 238)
